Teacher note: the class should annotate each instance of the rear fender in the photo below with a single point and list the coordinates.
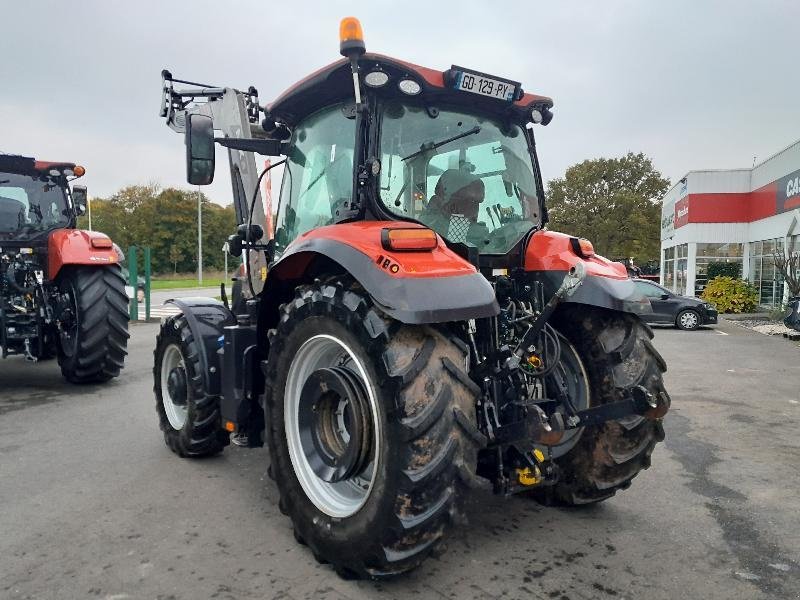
(207, 318)
(549, 257)
(74, 247)
(417, 287)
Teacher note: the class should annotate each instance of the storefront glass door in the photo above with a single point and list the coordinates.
(763, 273)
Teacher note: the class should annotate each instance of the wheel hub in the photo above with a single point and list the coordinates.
(67, 322)
(335, 425)
(177, 386)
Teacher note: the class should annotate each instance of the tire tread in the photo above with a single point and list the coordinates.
(426, 391)
(102, 336)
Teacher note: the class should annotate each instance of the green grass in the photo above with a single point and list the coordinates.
(176, 284)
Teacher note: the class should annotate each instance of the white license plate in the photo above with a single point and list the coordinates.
(486, 86)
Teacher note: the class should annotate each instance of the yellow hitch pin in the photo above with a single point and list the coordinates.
(535, 361)
(528, 476)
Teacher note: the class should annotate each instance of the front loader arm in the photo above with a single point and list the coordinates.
(236, 115)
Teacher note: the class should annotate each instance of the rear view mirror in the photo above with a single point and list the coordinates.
(79, 199)
(199, 149)
(665, 296)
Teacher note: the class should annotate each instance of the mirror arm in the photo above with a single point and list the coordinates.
(265, 147)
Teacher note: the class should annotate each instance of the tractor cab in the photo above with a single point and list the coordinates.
(373, 138)
(452, 150)
(35, 198)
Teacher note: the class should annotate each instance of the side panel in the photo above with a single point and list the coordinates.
(551, 251)
(365, 236)
(605, 292)
(549, 257)
(74, 247)
(413, 287)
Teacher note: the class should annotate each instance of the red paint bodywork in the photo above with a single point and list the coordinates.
(365, 236)
(46, 165)
(74, 247)
(432, 77)
(547, 251)
(552, 251)
(436, 78)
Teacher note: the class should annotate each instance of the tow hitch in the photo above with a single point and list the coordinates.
(541, 430)
(638, 402)
(528, 436)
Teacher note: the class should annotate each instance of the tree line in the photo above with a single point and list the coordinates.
(166, 221)
(614, 202)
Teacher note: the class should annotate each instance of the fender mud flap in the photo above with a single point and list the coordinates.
(207, 319)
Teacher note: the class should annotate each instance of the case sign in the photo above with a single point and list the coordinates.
(787, 195)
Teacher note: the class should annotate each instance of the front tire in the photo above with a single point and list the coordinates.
(617, 353)
(688, 320)
(407, 405)
(188, 416)
(93, 329)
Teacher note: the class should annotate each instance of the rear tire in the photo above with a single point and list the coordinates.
(617, 353)
(93, 340)
(188, 416)
(423, 446)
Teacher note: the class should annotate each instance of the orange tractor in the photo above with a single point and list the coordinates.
(62, 292)
(415, 330)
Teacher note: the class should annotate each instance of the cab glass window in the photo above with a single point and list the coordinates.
(318, 175)
(469, 177)
(31, 205)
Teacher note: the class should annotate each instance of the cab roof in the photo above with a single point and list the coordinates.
(334, 83)
(26, 164)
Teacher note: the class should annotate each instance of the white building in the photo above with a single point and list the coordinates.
(740, 216)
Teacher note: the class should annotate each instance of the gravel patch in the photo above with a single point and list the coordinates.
(764, 326)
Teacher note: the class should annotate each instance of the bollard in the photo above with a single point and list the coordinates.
(133, 276)
(147, 283)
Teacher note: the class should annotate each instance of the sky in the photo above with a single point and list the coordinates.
(692, 84)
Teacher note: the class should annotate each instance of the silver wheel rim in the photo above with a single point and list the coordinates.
(343, 498)
(176, 413)
(577, 380)
(689, 320)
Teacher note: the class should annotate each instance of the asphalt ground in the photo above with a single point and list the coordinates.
(93, 504)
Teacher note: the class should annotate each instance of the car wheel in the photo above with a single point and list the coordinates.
(688, 320)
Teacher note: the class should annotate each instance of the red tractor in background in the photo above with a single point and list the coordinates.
(62, 293)
(415, 330)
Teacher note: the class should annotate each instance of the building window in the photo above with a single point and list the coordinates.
(669, 268)
(681, 268)
(763, 273)
(708, 253)
(794, 244)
